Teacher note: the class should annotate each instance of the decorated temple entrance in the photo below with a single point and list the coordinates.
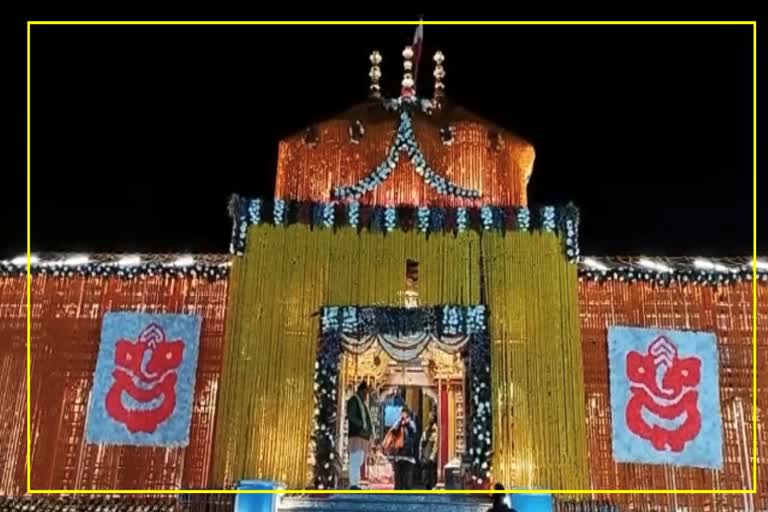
(431, 386)
(426, 361)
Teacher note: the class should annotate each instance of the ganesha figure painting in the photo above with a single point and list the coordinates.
(665, 400)
(144, 380)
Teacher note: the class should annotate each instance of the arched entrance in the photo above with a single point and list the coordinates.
(432, 359)
(424, 384)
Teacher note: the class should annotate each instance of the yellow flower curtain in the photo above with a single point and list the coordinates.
(539, 434)
(286, 274)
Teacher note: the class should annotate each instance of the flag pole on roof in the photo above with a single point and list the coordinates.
(411, 55)
(418, 39)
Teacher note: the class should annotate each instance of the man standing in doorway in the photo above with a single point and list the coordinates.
(360, 431)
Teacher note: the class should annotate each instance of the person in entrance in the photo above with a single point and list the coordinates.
(401, 440)
(360, 430)
(429, 453)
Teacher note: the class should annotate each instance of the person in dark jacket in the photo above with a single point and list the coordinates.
(499, 502)
(405, 454)
(360, 430)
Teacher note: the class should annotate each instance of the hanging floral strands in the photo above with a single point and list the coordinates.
(562, 221)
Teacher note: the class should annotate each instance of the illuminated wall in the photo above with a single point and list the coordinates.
(67, 314)
(479, 157)
(726, 310)
(66, 323)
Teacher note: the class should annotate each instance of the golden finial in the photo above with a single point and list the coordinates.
(375, 73)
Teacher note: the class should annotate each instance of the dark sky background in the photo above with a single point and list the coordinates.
(141, 133)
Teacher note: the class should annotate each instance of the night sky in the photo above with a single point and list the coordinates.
(140, 134)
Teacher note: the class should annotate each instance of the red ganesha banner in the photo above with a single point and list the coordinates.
(665, 397)
(144, 381)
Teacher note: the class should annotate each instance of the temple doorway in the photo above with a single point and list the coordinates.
(430, 385)
(434, 360)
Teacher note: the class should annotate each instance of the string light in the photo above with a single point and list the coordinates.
(653, 265)
(22, 260)
(76, 260)
(184, 261)
(127, 261)
(708, 265)
(593, 263)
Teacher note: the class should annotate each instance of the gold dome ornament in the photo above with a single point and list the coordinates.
(408, 83)
(375, 73)
(439, 74)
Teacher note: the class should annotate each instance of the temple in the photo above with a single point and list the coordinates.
(400, 251)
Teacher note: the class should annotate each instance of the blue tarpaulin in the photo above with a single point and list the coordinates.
(532, 502)
(256, 502)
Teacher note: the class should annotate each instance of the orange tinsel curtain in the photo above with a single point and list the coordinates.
(66, 324)
(311, 171)
(725, 310)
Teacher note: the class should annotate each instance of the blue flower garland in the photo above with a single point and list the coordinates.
(569, 225)
(481, 433)
(323, 441)
(353, 214)
(548, 218)
(451, 320)
(523, 219)
(405, 141)
(279, 212)
(422, 218)
(486, 214)
(390, 219)
(328, 215)
(462, 219)
(561, 221)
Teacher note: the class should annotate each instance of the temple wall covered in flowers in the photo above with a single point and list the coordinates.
(288, 273)
(66, 321)
(531, 292)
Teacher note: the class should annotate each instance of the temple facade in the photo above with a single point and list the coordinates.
(399, 250)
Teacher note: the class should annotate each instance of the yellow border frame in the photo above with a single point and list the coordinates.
(510, 491)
